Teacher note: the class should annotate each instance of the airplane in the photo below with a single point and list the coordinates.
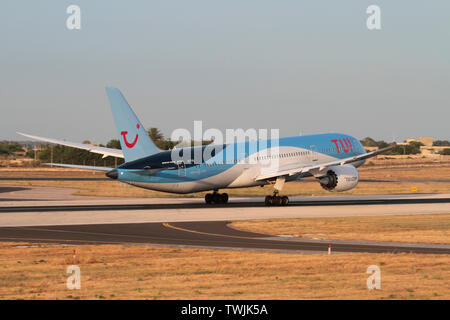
(332, 158)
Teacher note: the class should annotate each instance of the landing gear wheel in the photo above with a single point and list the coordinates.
(276, 201)
(279, 201)
(217, 198)
(224, 197)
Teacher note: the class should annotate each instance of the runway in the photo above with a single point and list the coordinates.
(231, 205)
(77, 210)
(215, 234)
(189, 222)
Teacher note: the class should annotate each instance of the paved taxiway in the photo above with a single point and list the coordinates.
(101, 211)
(189, 222)
(210, 234)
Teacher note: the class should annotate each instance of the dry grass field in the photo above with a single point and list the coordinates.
(409, 228)
(144, 272)
(306, 187)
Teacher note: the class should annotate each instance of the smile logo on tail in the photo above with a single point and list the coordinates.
(124, 135)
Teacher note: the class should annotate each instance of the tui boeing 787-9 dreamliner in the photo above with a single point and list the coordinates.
(332, 158)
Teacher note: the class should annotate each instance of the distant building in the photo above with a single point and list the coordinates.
(427, 149)
(426, 141)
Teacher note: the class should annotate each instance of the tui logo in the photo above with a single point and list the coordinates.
(124, 135)
(348, 145)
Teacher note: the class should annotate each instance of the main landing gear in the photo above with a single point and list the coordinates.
(216, 198)
(277, 200)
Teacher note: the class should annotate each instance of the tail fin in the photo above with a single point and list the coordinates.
(133, 138)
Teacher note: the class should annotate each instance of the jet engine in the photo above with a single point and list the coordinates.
(339, 178)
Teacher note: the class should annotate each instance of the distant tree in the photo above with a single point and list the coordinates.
(382, 144)
(30, 153)
(368, 142)
(416, 144)
(412, 148)
(441, 143)
(155, 134)
(8, 147)
(445, 152)
(114, 144)
(158, 138)
(165, 144)
(3, 150)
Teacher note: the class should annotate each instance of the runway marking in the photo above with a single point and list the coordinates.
(194, 246)
(103, 234)
(168, 225)
(207, 247)
(367, 247)
(167, 245)
(60, 240)
(130, 242)
(74, 231)
(222, 242)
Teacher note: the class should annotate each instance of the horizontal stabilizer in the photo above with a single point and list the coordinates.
(75, 166)
(95, 149)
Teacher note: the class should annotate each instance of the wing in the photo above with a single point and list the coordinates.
(95, 149)
(290, 171)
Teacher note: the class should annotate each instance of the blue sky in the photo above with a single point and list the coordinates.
(300, 66)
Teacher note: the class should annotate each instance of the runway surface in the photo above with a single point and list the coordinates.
(210, 234)
(237, 204)
(189, 222)
(148, 210)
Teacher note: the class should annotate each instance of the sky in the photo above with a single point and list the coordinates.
(302, 67)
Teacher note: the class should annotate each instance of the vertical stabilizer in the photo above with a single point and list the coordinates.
(133, 138)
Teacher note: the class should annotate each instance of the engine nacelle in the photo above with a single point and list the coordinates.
(339, 178)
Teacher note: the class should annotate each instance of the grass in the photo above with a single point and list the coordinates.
(425, 228)
(144, 272)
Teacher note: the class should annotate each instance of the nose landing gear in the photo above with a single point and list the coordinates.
(216, 198)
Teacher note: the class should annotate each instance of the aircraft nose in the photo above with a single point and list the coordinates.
(113, 174)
